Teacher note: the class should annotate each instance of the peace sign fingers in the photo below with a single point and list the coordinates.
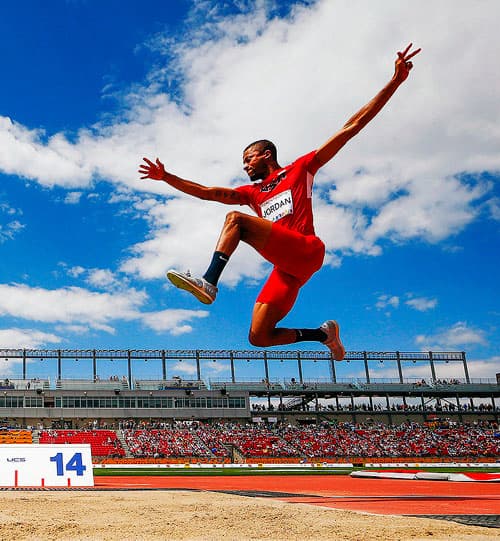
(403, 63)
(405, 56)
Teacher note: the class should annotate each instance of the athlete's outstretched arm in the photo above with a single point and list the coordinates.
(156, 171)
(357, 122)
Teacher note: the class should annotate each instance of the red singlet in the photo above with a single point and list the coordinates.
(285, 198)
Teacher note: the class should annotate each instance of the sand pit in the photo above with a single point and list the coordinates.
(150, 515)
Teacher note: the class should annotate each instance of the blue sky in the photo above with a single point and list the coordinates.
(408, 210)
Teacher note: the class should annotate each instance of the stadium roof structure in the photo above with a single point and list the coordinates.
(148, 386)
(165, 356)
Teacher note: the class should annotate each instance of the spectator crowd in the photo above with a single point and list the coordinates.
(226, 440)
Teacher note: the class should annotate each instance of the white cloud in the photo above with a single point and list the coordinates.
(387, 301)
(494, 208)
(79, 308)
(412, 174)
(422, 304)
(73, 198)
(10, 229)
(183, 367)
(69, 304)
(215, 369)
(457, 336)
(10, 211)
(181, 240)
(24, 152)
(74, 272)
(73, 329)
(484, 368)
(26, 338)
(173, 321)
(478, 369)
(98, 278)
(431, 210)
(102, 278)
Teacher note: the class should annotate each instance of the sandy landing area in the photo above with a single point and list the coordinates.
(150, 515)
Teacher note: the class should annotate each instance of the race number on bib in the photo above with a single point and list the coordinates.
(278, 206)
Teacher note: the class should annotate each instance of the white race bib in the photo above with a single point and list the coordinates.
(278, 206)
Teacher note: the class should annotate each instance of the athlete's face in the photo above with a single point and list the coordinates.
(255, 163)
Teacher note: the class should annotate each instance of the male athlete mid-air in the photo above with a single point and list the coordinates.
(283, 230)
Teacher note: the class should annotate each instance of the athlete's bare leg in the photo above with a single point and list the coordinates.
(264, 333)
(239, 226)
(263, 330)
(255, 232)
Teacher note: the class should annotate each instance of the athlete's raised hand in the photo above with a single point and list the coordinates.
(404, 64)
(155, 171)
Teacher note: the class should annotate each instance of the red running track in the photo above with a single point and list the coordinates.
(381, 496)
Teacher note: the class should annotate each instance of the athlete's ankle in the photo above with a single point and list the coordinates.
(310, 335)
(216, 267)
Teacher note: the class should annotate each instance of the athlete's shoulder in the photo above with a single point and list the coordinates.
(307, 161)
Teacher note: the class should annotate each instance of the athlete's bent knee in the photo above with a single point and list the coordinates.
(259, 340)
(234, 218)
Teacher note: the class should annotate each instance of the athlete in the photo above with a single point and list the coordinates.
(283, 230)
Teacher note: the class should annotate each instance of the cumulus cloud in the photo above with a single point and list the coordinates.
(69, 304)
(26, 153)
(477, 368)
(484, 368)
(179, 226)
(414, 173)
(387, 301)
(103, 278)
(75, 271)
(173, 321)
(458, 335)
(16, 338)
(76, 308)
(183, 367)
(73, 198)
(422, 304)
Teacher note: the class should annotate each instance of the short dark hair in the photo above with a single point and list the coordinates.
(263, 145)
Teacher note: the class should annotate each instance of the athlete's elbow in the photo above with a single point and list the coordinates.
(351, 129)
(204, 193)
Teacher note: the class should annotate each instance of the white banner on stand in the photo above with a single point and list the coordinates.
(46, 465)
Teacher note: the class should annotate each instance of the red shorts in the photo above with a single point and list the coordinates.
(296, 258)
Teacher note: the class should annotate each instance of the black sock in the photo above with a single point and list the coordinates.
(216, 267)
(310, 335)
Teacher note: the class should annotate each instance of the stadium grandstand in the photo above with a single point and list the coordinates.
(134, 405)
